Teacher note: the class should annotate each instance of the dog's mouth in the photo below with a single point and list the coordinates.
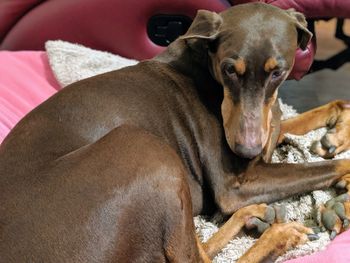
(247, 152)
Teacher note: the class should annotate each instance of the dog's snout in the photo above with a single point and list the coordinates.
(248, 152)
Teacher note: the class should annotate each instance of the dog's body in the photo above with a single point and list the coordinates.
(112, 168)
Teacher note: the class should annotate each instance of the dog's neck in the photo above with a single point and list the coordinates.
(195, 64)
(192, 60)
(185, 59)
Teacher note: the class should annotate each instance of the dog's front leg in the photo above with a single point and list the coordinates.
(275, 241)
(334, 115)
(266, 183)
(234, 225)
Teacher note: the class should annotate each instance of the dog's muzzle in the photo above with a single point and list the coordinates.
(247, 152)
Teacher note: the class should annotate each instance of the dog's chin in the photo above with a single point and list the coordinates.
(247, 152)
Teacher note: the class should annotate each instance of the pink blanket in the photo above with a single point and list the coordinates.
(338, 251)
(26, 80)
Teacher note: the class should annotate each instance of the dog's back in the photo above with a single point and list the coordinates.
(150, 95)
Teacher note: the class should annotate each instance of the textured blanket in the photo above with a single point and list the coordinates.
(71, 62)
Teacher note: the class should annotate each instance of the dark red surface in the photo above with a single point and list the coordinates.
(303, 60)
(113, 25)
(11, 11)
(316, 8)
(311, 8)
(120, 26)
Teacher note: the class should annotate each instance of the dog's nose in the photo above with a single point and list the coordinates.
(247, 152)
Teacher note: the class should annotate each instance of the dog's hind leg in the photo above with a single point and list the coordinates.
(124, 198)
(164, 205)
(155, 218)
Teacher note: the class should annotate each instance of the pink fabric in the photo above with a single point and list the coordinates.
(26, 80)
(338, 251)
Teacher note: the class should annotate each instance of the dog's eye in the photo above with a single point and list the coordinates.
(229, 69)
(276, 74)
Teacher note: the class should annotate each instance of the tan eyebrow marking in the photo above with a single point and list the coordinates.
(270, 64)
(240, 66)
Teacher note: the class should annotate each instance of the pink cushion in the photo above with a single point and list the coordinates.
(26, 81)
(336, 252)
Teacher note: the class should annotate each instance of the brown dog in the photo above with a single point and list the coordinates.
(113, 168)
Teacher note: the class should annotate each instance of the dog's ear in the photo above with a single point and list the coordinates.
(304, 35)
(205, 26)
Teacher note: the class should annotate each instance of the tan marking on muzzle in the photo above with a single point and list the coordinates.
(270, 64)
(229, 112)
(240, 66)
(267, 117)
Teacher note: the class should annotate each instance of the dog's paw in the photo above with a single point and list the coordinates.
(276, 240)
(281, 237)
(335, 214)
(261, 216)
(344, 183)
(337, 139)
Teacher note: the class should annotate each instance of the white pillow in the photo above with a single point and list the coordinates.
(73, 62)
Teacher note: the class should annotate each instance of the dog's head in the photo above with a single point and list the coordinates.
(251, 49)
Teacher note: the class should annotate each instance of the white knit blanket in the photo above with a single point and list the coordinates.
(72, 62)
